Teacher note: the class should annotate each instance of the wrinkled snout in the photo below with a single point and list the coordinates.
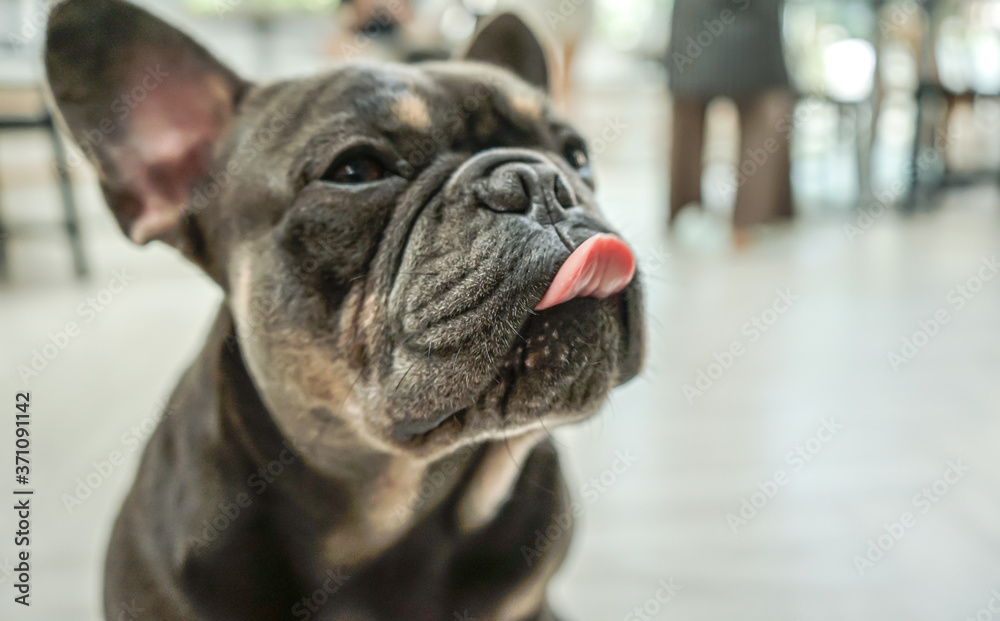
(516, 181)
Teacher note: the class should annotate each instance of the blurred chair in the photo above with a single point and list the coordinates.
(938, 35)
(942, 89)
(22, 108)
(933, 103)
(850, 72)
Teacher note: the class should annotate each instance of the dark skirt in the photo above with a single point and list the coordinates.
(730, 48)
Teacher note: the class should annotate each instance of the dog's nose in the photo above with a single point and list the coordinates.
(516, 181)
(521, 187)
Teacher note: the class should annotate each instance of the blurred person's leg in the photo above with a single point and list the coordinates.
(3, 235)
(568, 25)
(687, 144)
(765, 190)
(562, 87)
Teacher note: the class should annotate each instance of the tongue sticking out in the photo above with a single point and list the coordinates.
(601, 267)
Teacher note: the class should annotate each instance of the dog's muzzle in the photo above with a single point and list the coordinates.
(518, 181)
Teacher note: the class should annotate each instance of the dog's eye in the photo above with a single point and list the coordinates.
(577, 157)
(354, 170)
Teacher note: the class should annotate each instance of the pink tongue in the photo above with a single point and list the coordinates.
(602, 266)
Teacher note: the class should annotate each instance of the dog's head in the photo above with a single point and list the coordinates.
(385, 234)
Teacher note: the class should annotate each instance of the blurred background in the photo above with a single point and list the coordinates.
(811, 190)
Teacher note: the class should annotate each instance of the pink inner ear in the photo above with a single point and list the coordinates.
(168, 147)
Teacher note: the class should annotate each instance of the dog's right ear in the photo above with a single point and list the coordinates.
(506, 40)
(145, 103)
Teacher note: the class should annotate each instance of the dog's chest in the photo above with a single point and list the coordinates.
(460, 551)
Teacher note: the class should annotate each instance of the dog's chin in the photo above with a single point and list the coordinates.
(472, 426)
(558, 372)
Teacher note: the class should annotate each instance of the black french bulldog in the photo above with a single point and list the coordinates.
(418, 286)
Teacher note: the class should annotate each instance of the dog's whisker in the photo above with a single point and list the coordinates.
(404, 375)
(506, 441)
(326, 423)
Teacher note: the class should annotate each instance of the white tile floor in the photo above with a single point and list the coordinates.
(824, 359)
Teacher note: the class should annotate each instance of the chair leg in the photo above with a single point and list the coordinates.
(912, 198)
(69, 203)
(4, 271)
(864, 130)
(4, 236)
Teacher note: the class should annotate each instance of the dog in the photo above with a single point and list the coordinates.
(418, 287)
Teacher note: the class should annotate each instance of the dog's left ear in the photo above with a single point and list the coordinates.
(146, 104)
(507, 41)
